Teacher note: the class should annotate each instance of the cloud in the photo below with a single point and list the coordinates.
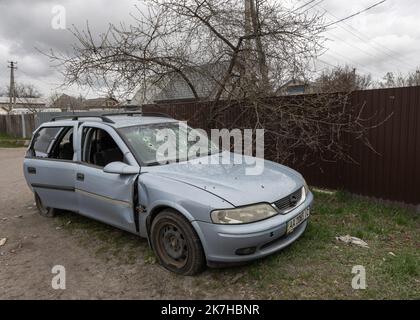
(386, 38)
(383, 39)
(26, 30)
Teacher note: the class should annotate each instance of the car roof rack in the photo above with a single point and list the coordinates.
(105, 117)
(77, 117)
(134, 113)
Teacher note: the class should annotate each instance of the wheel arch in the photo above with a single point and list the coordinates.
(161, 206)
(158, 208)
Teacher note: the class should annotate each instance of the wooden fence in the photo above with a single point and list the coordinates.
(22, 126)
(17, 126)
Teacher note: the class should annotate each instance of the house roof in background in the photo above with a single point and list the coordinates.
(291, 87)
(28, 101)
(66, 101)
(204, 78)
(98, 102)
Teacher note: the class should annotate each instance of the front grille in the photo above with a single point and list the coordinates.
(290, 202)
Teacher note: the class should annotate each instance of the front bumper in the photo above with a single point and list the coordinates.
(221, 242)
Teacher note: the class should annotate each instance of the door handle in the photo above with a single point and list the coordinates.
(31, 170)
(80, 177)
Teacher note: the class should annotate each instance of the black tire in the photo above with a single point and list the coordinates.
(44, 211)
(176, 244)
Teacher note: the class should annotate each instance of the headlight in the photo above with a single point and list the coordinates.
(305, 192)
(305, 186)
(243, 215)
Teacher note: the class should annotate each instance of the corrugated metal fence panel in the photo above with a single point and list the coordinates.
(390, 172)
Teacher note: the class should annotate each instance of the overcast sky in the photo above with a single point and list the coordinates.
(386, 38)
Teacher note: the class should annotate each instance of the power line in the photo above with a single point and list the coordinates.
(355, 14)
(326, 63)
(366, 40)
(346, 18)
(347, 59)
(353, 62)
(314, 5)
(335, 66)
(307, 9)
(352, 45)
(303, 6)
(359, 48)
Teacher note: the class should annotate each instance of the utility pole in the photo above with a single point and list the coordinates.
(252, 26)
(12, 90)
(248, 42)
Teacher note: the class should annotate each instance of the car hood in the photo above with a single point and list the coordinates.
(230, 181)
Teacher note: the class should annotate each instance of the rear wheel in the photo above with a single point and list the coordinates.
(176, 244)
(42, 210)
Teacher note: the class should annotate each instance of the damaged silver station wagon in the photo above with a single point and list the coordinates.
(192, 211)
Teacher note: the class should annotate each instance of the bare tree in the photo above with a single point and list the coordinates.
(342, 79)
(395, 80)
(28, 95)
(25, 95)
(3, 92)
(24, 90)
(414, 78)
(255, 46)
(54, 98)
(173, 37)
(65, 102)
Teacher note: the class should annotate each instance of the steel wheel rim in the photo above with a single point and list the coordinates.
(172, 245)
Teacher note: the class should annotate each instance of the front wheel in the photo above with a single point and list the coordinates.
(176, 244)
(42, 210)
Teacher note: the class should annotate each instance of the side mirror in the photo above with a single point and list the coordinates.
(121, 168)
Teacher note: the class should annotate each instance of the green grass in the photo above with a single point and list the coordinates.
(317, 265)
(4, 136)
(324, 265)
(7, 141)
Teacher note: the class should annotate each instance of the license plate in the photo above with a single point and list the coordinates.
(298, 220)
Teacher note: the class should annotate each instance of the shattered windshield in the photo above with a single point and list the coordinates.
(168, 142)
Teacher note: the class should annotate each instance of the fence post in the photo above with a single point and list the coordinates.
(23, 126)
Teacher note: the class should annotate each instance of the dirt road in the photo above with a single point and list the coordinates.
(93, 271)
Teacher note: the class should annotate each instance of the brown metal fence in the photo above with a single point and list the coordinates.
(391, 173)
